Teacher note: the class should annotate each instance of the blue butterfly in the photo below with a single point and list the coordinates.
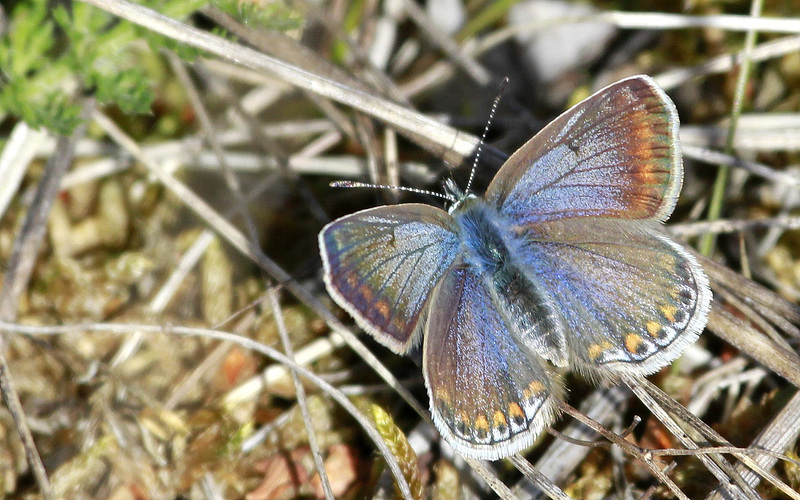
(562, 263)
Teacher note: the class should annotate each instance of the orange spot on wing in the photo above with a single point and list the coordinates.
(482, 424)
(669, 312)
(597, 350)
(499, 419)
(533, 389)
(383, 308)
(633, 342)
(515, 411)
(366, 292)
(653, 328)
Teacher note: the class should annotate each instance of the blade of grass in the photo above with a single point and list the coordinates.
(708, 241)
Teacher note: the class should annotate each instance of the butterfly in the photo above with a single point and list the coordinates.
(562, 264)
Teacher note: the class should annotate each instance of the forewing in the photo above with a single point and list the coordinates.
(631, 298)
(490, 395)
(381, 265)
(616, 154)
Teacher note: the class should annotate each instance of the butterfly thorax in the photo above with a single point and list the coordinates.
(488, 247)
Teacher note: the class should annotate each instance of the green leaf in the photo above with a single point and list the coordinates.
(50, 56)
(272, 15)
(32, 36)
(129, 89)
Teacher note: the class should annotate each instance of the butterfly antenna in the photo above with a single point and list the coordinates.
(354, 184)
(485, 132)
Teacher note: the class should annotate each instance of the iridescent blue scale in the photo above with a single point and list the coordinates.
(563, 262)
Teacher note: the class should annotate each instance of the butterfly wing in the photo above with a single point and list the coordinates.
(616, 154)
(381, 264)
(490, 395)
(631, 298)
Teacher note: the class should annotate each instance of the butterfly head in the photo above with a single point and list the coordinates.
(456, 195)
